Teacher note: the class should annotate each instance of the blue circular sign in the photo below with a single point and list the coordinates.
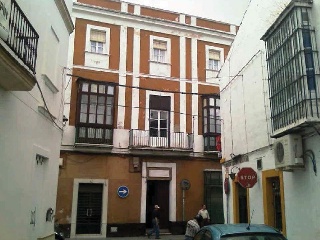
(123, 191)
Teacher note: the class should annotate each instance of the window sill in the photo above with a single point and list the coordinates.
(105, 54)
(46, 113)
(163, 63)
(211, 70)
(93, 145)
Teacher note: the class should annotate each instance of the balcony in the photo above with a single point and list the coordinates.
(18, 52)
(141, 139)
(93, 135)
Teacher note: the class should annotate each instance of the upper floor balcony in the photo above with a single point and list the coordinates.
(18, 50)
(144, 139)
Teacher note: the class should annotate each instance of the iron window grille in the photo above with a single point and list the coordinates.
(293, 69)
(95, 112)
(211, 121)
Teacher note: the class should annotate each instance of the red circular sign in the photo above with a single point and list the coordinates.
(247, 177)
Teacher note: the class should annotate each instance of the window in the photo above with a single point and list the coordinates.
(292, 60)
(159, 116)
(40, 159)
(159, 51)
(158, 123)
(211, 122)
(95, 112)
(97, 47)
(214, 60)
(97, 40)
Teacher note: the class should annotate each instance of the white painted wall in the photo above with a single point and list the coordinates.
(245, 112)
(25, 132)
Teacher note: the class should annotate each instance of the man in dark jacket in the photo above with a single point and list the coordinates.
(155, 222)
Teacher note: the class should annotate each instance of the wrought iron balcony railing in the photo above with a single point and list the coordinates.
(172, 140)
(23, 38)
(94, 135)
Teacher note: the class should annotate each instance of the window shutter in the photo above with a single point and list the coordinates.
(159, 102)
(214, 55)
(160, 45)
(98, 36)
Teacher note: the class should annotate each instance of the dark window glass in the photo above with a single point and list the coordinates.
(96, 106)
(308, 55)
(211, 121)
(159, 116)
(95, 112)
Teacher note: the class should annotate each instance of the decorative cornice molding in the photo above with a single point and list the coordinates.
(192, 31)
(65, 15)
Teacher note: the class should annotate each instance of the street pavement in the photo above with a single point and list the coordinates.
(163, 237)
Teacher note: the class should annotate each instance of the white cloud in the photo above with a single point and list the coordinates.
(230, 11)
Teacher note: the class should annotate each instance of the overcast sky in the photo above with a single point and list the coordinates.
(230, 11)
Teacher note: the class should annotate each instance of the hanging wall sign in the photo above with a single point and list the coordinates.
(247, 177)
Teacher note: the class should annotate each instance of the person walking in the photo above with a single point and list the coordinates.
(193, 226)
(155, 222)
(205, 215)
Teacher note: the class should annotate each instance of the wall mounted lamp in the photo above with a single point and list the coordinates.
(232, 173)
(49, 215)
(64, 120)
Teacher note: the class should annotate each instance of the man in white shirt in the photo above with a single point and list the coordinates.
(193, 226)
(205, 215)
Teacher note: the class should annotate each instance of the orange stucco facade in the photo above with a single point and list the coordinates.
(128, 64)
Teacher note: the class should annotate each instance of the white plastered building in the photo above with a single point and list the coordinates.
(34, 39)
(270, 109)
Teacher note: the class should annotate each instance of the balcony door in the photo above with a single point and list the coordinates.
(159, 115)
(159, 127)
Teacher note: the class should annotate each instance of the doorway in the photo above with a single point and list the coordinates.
(89, 208)
(158, 193)
(213, 195)
(240, 203)
(273, 199)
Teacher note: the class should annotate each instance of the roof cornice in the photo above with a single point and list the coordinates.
(132, 19)
(65, 15)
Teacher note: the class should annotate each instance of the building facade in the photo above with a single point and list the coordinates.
(144, 119)
(270, 112)
(32, 62)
